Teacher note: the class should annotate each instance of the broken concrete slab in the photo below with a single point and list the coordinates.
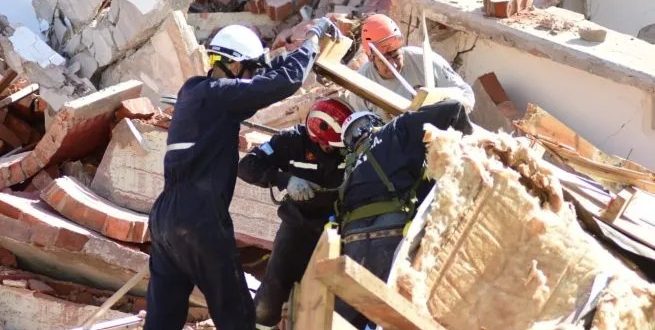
(86, 119)
(164, 62)
(128, 175)
(80, 205)
(132, 177)
(205, 25)
(29, 56)
(48, 244)
(79, 13)
(27, 309)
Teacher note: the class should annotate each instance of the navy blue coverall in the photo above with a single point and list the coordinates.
(289, 153)
(191, 230)
(398, 147)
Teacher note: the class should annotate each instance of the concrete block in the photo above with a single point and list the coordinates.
(206, 24)
(86, 119)
(127, 175)
(79, 12)
(82, 206)
(26, 309)
(164, 63)
(135, 20)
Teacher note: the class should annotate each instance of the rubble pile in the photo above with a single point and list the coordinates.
(519, 262)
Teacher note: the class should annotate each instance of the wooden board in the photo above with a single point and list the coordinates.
(329, 65)
(369, 295)
(313, 303)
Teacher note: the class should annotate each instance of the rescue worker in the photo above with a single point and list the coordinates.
(191, 230)
(302, 160)
(384, 183)
(385, 35)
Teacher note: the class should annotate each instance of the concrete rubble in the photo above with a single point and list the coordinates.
(83, 136)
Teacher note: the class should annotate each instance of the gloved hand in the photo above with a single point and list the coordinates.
(300, 189)
(323, 26)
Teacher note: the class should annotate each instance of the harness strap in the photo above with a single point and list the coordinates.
(373, 209)
(372, 235)
(380, 172)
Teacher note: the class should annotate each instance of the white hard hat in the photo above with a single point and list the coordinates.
(237, 43)
(356, 125)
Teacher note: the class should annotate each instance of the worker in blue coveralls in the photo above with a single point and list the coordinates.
(383, 184)
(191, 230)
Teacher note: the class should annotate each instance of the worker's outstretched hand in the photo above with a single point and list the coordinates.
(300, 189)
(324, 26)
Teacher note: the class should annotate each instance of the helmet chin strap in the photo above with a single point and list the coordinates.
(229, 73)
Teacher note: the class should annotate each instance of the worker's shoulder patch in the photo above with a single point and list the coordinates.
(266, 148)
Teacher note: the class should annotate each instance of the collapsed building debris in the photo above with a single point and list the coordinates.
(518, 262)
(76, 195)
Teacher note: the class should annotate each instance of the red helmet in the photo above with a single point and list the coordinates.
(383, 32)
(325, 119)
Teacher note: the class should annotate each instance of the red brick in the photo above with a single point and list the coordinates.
(138, 108)
(7, 258)
(80, 127)
(279, 10)
(83, 206)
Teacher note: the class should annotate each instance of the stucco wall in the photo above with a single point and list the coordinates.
(625, 16)
(615, 117)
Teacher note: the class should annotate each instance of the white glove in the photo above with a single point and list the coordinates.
(322, 27)
(300, 189)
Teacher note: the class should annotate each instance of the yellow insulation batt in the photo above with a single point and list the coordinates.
(501, 249)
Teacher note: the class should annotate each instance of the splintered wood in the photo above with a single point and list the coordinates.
(501, 249)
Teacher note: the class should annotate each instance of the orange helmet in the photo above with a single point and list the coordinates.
(383, 31)
(325, 119)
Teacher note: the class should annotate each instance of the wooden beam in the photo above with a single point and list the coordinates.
(329, 65)
(369, 295)
(312, 302)
(19, 95)
(618, 205)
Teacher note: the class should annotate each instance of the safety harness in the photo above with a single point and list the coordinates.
(404, 204)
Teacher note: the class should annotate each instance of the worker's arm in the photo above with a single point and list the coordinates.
(445, 77)
(268, 164)
(444, 114)
(245, 96)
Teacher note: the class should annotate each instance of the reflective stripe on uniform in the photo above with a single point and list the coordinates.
(180, 146)
(341, 166)
(373, 235)
(308, 166)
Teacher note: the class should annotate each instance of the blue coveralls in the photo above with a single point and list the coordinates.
(398, 148)
(191, 230)
(288, 153)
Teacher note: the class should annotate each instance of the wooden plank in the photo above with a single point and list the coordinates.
(329, 65)
(618, 204)
(7, 78)
(19, 95)
(313, 303)
(369, 295)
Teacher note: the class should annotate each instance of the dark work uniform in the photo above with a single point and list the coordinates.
(399, 149)
(272, 164)
(192, 233)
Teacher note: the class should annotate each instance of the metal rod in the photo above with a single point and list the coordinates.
(260, 127)
(400, 78)
(116, 296)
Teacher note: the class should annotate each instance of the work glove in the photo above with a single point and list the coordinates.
(301, 189)
(322, 27)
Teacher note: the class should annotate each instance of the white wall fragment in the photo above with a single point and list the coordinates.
(34, 49)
